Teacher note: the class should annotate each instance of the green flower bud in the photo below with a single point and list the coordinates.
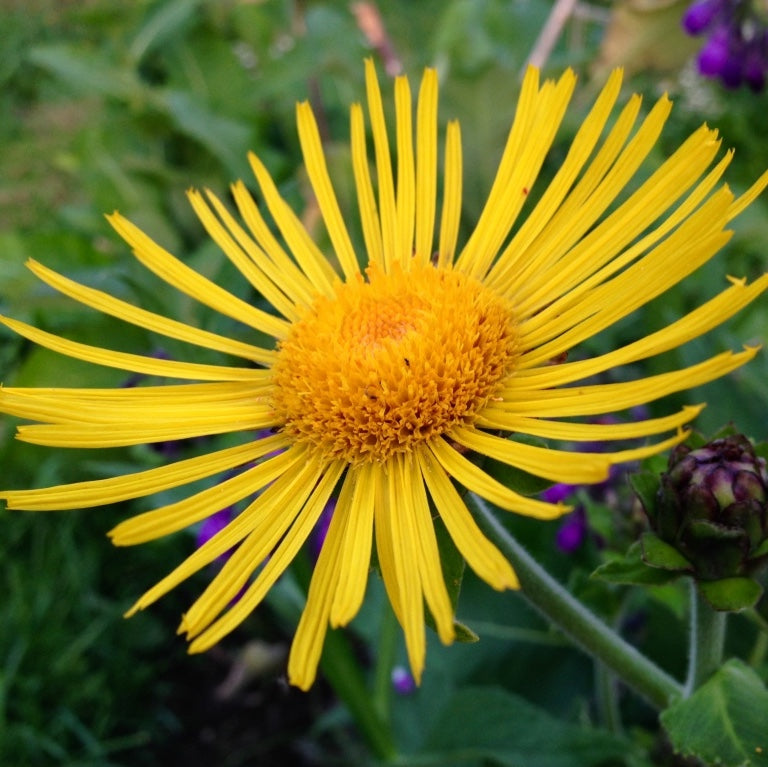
(712, 506)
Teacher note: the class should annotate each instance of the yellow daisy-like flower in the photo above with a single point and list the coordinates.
(383, 375)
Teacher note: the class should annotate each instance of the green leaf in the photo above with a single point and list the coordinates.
(226, 139)
(631, 569)
(646, 485)
(731, 594)
(725, 722)
(464, 633)
(657, 553)
(481, 724)
(88, 72)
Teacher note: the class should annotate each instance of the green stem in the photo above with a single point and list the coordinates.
(707, 640)
(568, 614)
(385, 661)
(343, 673)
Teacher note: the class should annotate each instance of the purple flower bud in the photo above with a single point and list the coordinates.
(712, 506)
(753, 69)
(572, 531)
(558, 492)
(714, 55)
(402, 681)
(731, 74)
(700, 15)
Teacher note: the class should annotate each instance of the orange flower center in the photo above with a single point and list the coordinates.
(392, 361)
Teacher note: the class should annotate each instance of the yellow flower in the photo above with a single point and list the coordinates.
(384, 369)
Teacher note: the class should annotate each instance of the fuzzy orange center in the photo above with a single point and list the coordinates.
(392, 361)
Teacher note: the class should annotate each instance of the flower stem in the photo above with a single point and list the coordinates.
(707, 639)
(569, 615)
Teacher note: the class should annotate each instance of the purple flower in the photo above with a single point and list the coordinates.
(714, 55)
(700, 15)
(736, 49)
(558, 492)
(317, 537)
(402, 681)
(214, 525)
(572, 531)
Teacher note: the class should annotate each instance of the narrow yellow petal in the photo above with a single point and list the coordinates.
(228, 584)
(180, 514)
(386, 184)
(309, 257)
(187, 280)
(578, 154)
(95, 435)
(687, 248)
(310, 634)
(369, 215)
(607, 174)
(475, 479)
(405, 557)
(610, 398)
(702, 319)
(232, 245)
(556, 465)
(450, 215)
(158, 411)
(533, 131)
(356, 548)
(384, 542)
(740, 203)
(160, 396)
(406, 179)
(317, 170)
(289, 491)
(481, 555)
(430, 568)
(155, 323)
(493, 418)
(639, 453)
(100, 492)
(135, 363)
(609, 246)
(284, 271)
(426, 165)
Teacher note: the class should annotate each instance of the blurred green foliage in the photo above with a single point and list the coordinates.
(124, 106)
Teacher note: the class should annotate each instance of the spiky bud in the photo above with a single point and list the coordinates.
(712, 506)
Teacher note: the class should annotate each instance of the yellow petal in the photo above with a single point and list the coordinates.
(180, 514)
(317, 170)
(188, 281)
(237, 246)
(155, 323)
(481, 555)
(135, 363)
(556, 465)
(610, 398)
(100, 492)
(475, 479)
(387, 207)
(366, 200)
(356, 548)
(450, 216)
(228, 584)
(426, 166)
(308, 256)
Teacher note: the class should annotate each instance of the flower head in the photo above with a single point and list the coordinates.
(388, 364)
(736, 50)
(712, 506)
